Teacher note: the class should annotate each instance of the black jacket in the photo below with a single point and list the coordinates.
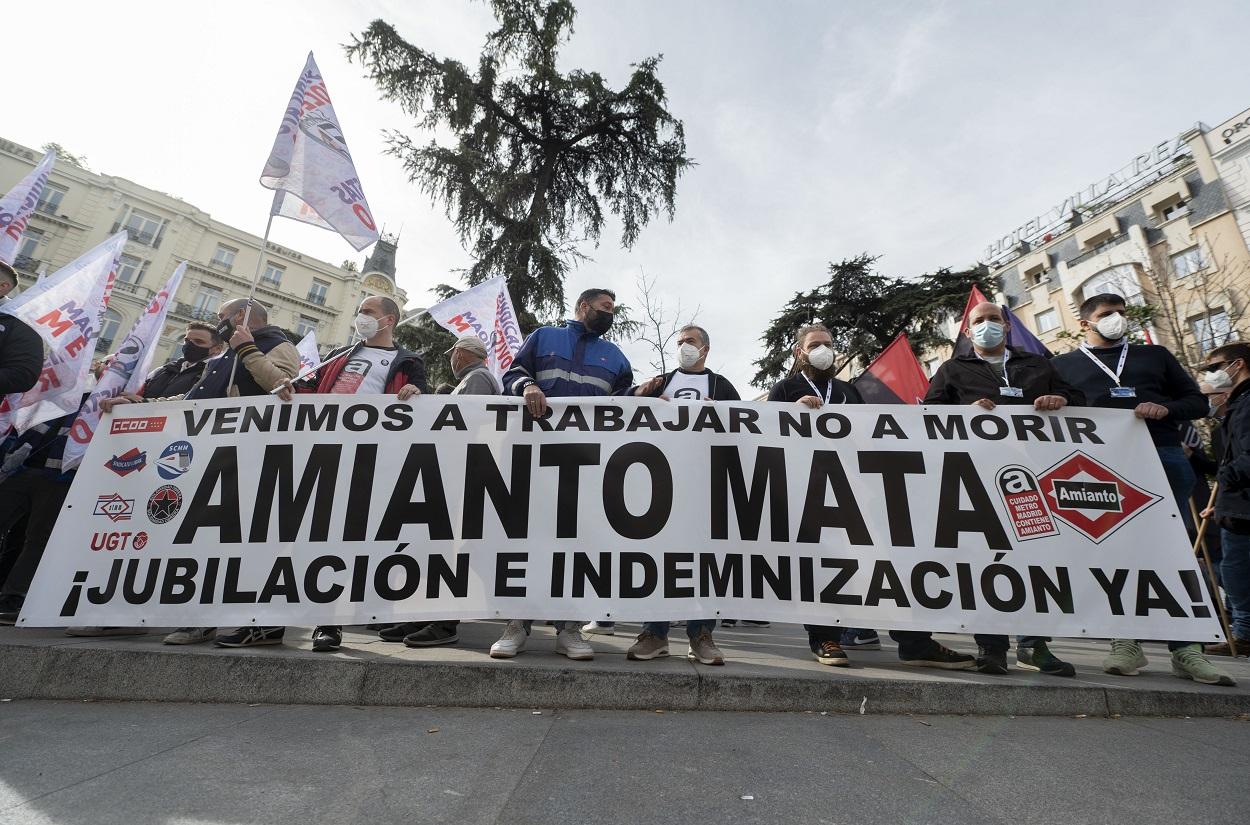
(966, 379)
(407, 367)
(718, 386)
(21, 355)
(174, 378)
(1233, 499)
(796, 386)
(1154, 374)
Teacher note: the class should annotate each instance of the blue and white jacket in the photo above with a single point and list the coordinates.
(569, 361)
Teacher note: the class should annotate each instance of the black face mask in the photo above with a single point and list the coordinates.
(599, 321)
(194, 352)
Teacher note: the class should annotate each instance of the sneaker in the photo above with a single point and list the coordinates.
(831, 653)
(511, 642)
(599, 629)
(10, 608)
(704, 651)
(191, 635)
(1039, 658)
(570, 643)
(327, 638)
(860, 639)
(939, 656)
(251, 636)
(992, 662)
(728, 622)
(756, 624)
(399, 632)
(1239, 647)
(1126, 658)
(95, 630)
(1189, 663)
(434, 633)
(649, 646)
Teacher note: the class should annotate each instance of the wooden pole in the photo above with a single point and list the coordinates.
(1200, 545)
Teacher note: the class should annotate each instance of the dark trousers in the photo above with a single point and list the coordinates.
(817, 634)
(39, 497)
(913, 642)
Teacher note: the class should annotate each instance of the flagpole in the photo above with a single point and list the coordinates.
(260, 264)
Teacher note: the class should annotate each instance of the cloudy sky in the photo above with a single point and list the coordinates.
(916, 131)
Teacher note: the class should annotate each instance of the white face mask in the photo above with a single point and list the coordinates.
(366, 325)
(1112, 327)
(821, 358)
(1219, 379)
(688, 355)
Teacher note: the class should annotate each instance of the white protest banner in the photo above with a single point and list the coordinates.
(308, 354)
(312, 169)
(485, 311)
(126, 370)
(16, 206)
(67, 310)
(345, 511)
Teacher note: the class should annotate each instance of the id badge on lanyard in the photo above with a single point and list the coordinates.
(1006, 390)
(828, 388)
(1118, 391)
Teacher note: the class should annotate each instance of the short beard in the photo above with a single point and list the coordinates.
(817, 375)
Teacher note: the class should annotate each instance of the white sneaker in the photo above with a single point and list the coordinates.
(598, 629)
(511, 642)
(191, 635)
(570, 643)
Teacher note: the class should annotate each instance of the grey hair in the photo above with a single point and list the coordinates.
(703, 336)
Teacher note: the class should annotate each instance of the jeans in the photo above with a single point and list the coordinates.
(694, 627)
(1235, 572)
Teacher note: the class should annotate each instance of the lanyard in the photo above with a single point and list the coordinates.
(828, 388)
(1006, 358)
(1115, 376)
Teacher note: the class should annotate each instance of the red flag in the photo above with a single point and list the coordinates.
(894, 377)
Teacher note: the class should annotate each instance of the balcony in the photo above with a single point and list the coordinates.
(271, 282)
(1102, 247)
(141, 292)
(52, 210)
(27, 263)
(224, 266)
(103, 344)
(195, 313)
(317, 298)
(146, 238)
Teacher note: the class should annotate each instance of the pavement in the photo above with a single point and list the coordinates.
(767, 669)
(134, 763)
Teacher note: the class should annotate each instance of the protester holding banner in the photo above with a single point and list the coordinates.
(994, 374)
(570, 361)
(1147, 379)
(176, 378)
(691, 381)
(21, 350)
(1228, 369)
(374, 365)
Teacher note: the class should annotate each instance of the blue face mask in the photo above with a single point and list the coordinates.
(987, 334)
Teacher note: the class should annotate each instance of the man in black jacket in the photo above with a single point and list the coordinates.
(176, 378)
(21, 348)
(990, 375)
(1229, 368)
(1148, 380)
(691, 381)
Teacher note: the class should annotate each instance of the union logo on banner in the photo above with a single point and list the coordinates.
(1091, 498)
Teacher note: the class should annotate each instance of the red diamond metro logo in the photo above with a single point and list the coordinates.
(1090, 497)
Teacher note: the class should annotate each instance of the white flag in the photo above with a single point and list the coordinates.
(17, 206)
(126, 370)
(311, 168)
(485, 311)
(308, 355)
(67, 310)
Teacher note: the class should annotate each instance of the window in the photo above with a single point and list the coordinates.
(305, 325)
(317, 293)
(224, 257)
(1212, 329)
(28, 248)
(144, 228)
(1174, 210)
(1187, 262)
(206, 302)
(273, 274)
(1046, 320)
(108, 331)
(1120, 280)
(1037, 277)
(130, 269)
(50, 199)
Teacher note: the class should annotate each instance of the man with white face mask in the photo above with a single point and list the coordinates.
(1148, 380)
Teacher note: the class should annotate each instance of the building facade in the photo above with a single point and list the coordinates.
(1168, 230)
(80, 208)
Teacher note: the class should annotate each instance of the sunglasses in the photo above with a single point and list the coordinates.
(1215, 365)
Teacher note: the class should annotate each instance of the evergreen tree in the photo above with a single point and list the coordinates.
(539, 157)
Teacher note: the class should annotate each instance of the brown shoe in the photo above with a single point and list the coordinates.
(831, 653)
(704, 651)
(1239, 647)
(648, 646)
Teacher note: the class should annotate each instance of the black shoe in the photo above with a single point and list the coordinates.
(434, 633)
(10, 608)
(728, 622)
(250, 637)
(993, 662)
(1040, 658)
(327, 637)
(399, 632)
(939, 656)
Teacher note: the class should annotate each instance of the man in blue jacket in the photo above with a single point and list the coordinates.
(566, 362)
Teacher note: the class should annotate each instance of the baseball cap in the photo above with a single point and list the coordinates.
(470, 342)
